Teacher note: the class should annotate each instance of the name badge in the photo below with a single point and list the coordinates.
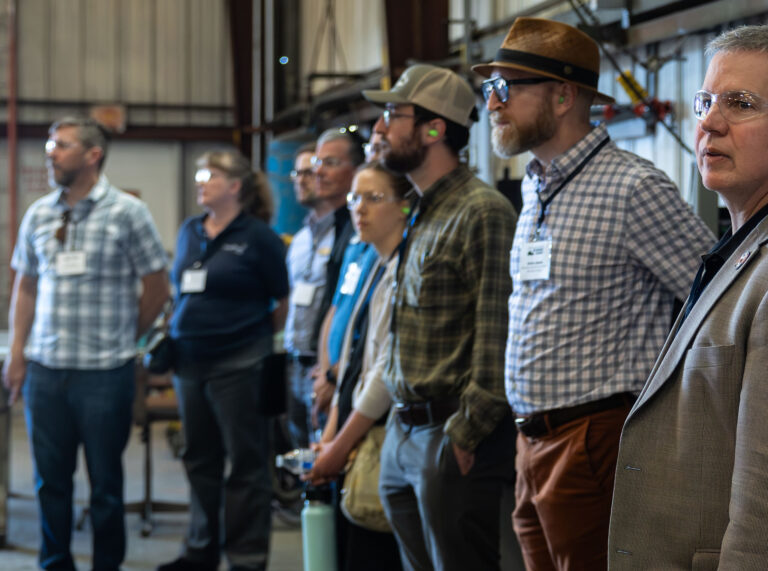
(193, 281)
(535, 259)
(303, 293)
(70, 263)
(351, 277)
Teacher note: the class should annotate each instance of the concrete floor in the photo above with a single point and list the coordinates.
(143, 554)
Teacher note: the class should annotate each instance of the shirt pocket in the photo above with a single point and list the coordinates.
(104, 248)
(705, 560)
(709, 356)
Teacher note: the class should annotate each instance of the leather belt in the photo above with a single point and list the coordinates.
(427, 412)
(543, 423)
(305, 360)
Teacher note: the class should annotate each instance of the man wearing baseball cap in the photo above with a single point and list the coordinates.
(449, 446)
(604, 248)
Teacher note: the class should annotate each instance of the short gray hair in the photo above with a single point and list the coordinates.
(355, 142)
(89, 132)
(741, 39)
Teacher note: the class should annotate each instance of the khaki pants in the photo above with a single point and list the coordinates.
(563, 493)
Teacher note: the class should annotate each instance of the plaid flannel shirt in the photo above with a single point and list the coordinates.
(450, 305)
(87, 321)
(624, 246)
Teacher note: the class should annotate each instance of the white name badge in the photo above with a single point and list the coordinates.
(303, 293)
(70, 263)
(351, 277)
(193, 281)
(535, 258)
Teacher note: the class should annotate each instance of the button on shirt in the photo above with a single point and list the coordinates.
(307, 258)
(88, 320)
(450, 305)
(624, 246)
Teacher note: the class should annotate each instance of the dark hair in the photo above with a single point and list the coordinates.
(305, 148)
(255, 193)
(456, 136)
(353, 139)
(400, 183)
(90, 133)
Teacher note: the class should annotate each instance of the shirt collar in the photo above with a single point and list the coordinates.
(730, 242)
(319, 226)
(563, 164)
(97, 192)
(444, 187)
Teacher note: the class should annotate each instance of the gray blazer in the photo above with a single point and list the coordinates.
(691, 487)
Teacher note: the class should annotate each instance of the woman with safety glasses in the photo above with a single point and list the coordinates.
(231, 283)
(380, 211)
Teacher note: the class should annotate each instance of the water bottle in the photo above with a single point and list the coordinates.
(297, 461)
(318, 529)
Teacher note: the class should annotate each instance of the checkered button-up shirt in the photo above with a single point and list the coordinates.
(450, 305)
(624, 246)
(87, 321)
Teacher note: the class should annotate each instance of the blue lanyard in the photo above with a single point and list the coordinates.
(401, 249)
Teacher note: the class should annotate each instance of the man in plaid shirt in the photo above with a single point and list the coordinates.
(90, 278)
(604, 247)
(449, 448)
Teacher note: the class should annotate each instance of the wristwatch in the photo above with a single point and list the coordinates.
(330, 377)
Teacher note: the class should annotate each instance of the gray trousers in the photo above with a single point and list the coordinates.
(441, 519)
(229, 509)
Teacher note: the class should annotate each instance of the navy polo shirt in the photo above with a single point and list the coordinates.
(244, 275)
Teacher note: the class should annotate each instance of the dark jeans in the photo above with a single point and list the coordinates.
(65, 408)
(229, 511)
(360, 548)
(441, 519)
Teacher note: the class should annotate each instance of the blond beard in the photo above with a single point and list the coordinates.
(511, 139)
(505, 140)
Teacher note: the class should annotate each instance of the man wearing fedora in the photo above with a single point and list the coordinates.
(604, 247)
(447, 452)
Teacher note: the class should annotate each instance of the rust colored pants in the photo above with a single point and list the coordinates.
(563, 493)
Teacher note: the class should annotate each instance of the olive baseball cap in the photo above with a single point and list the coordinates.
(436, 89)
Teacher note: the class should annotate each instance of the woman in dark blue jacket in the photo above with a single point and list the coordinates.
(231, 283)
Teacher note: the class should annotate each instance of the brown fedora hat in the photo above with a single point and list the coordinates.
(552, 49)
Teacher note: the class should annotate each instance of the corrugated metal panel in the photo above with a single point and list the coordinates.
(360, 32)
(34, 42)
(102, 68)
(67, 37)
(141, 52)
(172, 69)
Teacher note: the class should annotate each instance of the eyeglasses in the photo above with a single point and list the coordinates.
(735, 106)
(500, 86)
(390, 114)
(61, 231)
(370, 198)
(297, 174)
(204, 175)
(330, 162)
(52, 144)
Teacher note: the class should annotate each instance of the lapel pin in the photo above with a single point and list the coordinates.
(742, 259)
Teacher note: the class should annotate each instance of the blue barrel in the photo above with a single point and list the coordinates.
(288, 213)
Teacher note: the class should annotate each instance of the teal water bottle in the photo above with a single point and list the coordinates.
(318, 530)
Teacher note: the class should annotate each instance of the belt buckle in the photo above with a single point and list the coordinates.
(532, 426)
(403, 411)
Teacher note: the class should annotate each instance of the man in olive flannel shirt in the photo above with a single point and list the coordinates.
(449, 446)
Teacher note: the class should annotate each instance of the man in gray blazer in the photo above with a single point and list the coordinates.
(691, 488)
